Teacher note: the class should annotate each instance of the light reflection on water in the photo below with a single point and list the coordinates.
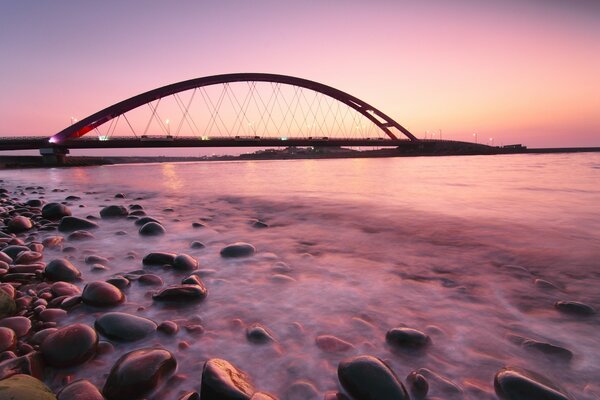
(372, 244)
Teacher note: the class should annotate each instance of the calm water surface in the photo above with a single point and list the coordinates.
(447, 245)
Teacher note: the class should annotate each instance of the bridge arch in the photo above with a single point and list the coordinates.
(80, 128)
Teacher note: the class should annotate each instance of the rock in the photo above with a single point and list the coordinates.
(518, 384)
(150, 279)
(95, 259)
(302, 390)
(441, 383)
(197, 225)
(81, 389)
(70, 346)
(55, 211)
(52, 315)
(120, 196)
(20, 325)
(223, 381)
(29, 364)
(5, 258)
(8, 339)
(70, 224)
(124, 327)
(102, 294)
(238, 249)
(168, 327)
(113, 211)
(144, 220)
(13, 251)
(8, 306)
(407, 337)
(64, 289)
(575, 308)
(545, 285)
(53, 242)
(181, 293)
(119, 281)
(367, 377)
(192, 280)
(417, 385)
(196, 245)
(189, 396)
(138, 373)
(39, 337)
(332, 344)
(257, 333)
(262, 396)
(61, 269)
(19, 224)
(37, 203)
(159, 259)
(183, 262)
(72, 198)
(548, 349)
(81, 235)
(152, 229)
(24, 387)
(27, 257)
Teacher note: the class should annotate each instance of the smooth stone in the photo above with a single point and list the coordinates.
(417, 385)
(159, 258)
(8, 339)
(120, 195)
(13, 251)
(70, 346)
(136, 207)
(26, 257)
(257, 333)
(144, 220)
(5, 258)
(24, 387)
(124, 327)
(367, 377)
(192, 280)
(183, 262)
(150, 279)
(70, 224)
(168, 327)
(39, 337)
(197, 245)
(53, 242)
(545, 285)
(259, 224)
(548, 349)
(55, 211)
(95, 259)
(81, 389)
(517, 384)
(19, 224)
(138, 373)
(119, 281)
(102, 294)
(37, 203)
(406, 337)
(28, 364)
(223, 381)
(440, 382)
(20, 325)
(61, 269)
(301, 390)
(72, 198)
(81, 235)
(113, 211)
(152, 229)
(8, 306)
(332, 344)
(70, 302)
(182, 293)
(238, 249)
(197, 225)
(52, 315)
(574, 307)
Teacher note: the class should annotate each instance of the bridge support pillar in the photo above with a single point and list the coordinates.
(54, 155)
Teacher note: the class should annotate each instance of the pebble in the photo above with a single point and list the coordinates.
(113, 211)
(575, 308)
(159, 259)
(238, 249)
(96, 259)
(152, 229)
(70, 346)
(13, 251)
(518, 384)
(223, 381)
(145, 220)
(70, 224)
(182, 293)
(119, 281)
(548, 349)
(168, 327)
(81, 389)
(54, 211)
(24, 387)
(197, 245)
(102, 294)
(192, 280)
(138, 373)
(61, 269)
(19, 224)
(52, 315)
(8, 339)
(183, 262)
(20, 325)
(124, 327)
(407, 337)
(150, 279)
(367, 377)
(302, 390)
(256, 333)
(81, 235)
(417, 385)
(332, 344)
(26, 257)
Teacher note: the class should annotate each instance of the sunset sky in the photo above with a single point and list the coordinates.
(515, 70)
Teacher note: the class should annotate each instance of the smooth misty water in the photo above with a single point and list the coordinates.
(372, 244)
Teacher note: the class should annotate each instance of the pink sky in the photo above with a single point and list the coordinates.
(517, 71)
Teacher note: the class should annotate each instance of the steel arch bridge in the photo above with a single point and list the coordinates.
(388, 126)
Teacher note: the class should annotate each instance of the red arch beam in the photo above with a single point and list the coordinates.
(87, 124)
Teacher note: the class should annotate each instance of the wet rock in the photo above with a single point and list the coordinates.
(53, 242)
(13, 251)
(417, 385)
(119, 281)
(138, 373)
(545, 285)
(8, 339)
(440, 383)
(102, 294)
(124, 327)
(26, 257)
(21, 386)
(19, 224)
(20, 325)
(70, 302)
(70, 346)
(367, 377)
(113, 211)
(548, 349)
(52, 315)
(98, 268)
(150, 279)
(152, 229)
(120, 196)
(144, 220)
(223, 381)
(262, 396)
(238, 249)
(159, 259)
(280, 278)
(407, 337)
(192, 280)
(80, 390)
(39, 337)
(518, 384)
(61, 269)
(256, 333)
(29, 364)
(332, 344)
(168, 327)
(182, 293)
(196, 245)
(5, 258)
(72, 198)
(96, 259)
(80, 235)
(301, 390)
(70, 224)
(8, 306)
(575, 308)
(37, 203)
(55, 211)
(189, 396)
(183, 262)
(197, 225)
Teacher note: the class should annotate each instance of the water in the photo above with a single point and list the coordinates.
(447, 245)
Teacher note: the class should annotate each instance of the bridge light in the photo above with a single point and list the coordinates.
(283, 138)
(52, 140)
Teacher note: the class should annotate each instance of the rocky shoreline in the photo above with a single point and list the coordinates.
(41, 286)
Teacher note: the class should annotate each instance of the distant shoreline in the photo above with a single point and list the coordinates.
(15, 162)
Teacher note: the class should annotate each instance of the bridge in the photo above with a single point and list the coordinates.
(230, 110)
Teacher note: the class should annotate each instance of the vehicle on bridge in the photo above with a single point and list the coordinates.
(157, 137)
